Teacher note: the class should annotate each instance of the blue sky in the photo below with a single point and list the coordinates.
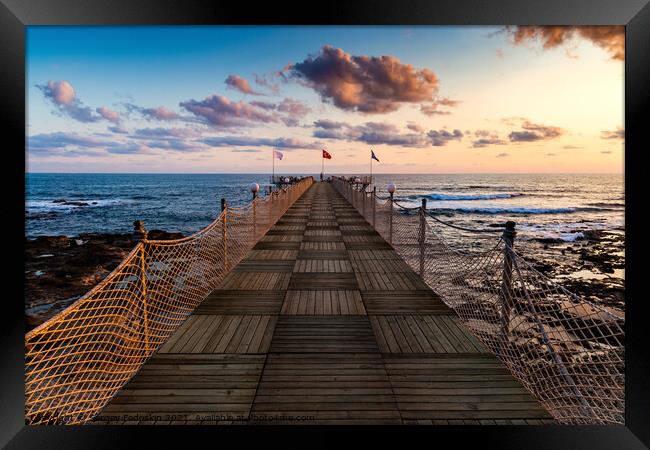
(485, 76)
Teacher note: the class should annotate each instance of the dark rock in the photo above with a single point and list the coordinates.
(592, 235)
(73, 269)
(161, 235)
(544, 267)
(549, 241)
(76, 203)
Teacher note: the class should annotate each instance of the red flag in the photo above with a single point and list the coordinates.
(326, 155)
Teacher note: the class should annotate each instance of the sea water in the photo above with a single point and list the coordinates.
(556, 206)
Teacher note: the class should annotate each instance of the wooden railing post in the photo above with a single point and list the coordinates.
(506, 278)
(374, 200)
(224, 233)
(390, 221)
(422, 236)
(140, 235)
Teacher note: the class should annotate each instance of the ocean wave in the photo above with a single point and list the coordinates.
(61, 205)
(607, 205)
(149, 197)
(506, 210)
(460, 197)
(571, 237)
(561, 237)
(522, 210)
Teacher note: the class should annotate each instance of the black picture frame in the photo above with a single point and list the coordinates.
(15, 15)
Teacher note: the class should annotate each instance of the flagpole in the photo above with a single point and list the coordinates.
(273, 163)
(322, 165)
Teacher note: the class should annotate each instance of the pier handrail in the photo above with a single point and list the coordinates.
(566, 350)
(80, 358)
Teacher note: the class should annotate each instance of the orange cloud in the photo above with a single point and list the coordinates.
(240, 84)
(366, 84)
(611, 38)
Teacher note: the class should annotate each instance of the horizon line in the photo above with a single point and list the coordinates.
(317, 173)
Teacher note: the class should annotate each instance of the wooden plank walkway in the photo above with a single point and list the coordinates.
(323, 322)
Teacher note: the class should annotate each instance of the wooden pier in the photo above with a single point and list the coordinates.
(323, 323)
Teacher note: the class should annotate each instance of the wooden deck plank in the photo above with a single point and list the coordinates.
(403, 302)
(422, 334)
(334, 333)
(292, 385)
(322, 265)
(325, 302)
(242, 302)
(419, 394)
(187, 396)
(322, 281)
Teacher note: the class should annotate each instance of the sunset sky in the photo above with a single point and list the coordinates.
(425, 99)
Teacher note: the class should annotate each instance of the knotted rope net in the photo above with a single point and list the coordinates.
(567, 351)
(78, 360)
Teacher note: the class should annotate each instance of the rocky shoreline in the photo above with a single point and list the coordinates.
(60, 269)
(593, 266)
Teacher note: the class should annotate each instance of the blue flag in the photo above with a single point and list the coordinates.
(372, 155)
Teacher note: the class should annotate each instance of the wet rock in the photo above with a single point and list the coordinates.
(592, 235)
(54, 282)
(161, 235)
(76, 203)
(549, 241)
(62, 201)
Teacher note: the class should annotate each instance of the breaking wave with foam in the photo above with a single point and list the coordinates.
(462, 197)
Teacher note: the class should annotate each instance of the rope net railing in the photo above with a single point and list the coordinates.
(78, 360)
(567, 351)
